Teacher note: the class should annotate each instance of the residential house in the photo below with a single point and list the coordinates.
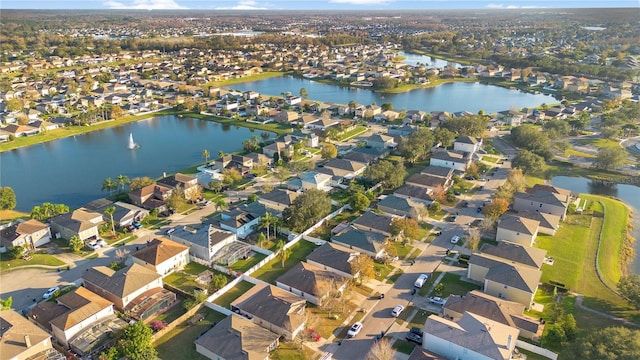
(415, 116)
(151, 197)
(311, 180)
(505, 312)
(235, 337)
(308, 139)
(18, 130)
(342, 169)
(404, 130)
(321, 124)
(333, 257)
(278, 200)
(450, 159)
(366, 155)
(512, 282)
(29, 234)
(243, 164)
(427, 182)
(311, 282)
(394, 205)
(80, 222)
(517, 229)
(367, 242)
(541, 201)
(381, 141)
(241, 219)
(124, 215)
(547, 223)
(370, 221)
(188, 183)
(123, 286)
(278, 147)
(417, 194)
(21, 339)
(274, 309)
(162, 256)
(72, 314)
(467, 144)
(471, 337)
(286, 117)
(388, 116)
(204, 242)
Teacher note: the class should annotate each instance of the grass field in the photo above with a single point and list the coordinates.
(599, 143)
(12, 215)
(454, 286)
(291, 351)
(36, 259)
(273, 269)
(227, 298)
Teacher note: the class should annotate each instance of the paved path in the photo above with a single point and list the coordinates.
(578, 303)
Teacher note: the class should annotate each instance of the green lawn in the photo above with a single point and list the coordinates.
(419, 318)
(277, 128)
(395, 276)
(352, 133)
(382, 270)
(178, 343)
(328, 325)
(243, 265)
(454, 286)
(491, 159)
(186, 279)
(425, 288)
(599, 143)
(403, 346)
(175, 312)
(291, 351)
(194, 268)
(36, 259)
(227, 298)
(273, 269)
(402, 250)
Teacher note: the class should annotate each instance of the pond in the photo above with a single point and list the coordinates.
(629, 194)
(71, 170)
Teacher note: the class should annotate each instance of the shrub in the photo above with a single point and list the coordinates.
(158, 325)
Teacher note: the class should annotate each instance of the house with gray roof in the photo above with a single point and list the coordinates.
(467, 144)
(381, 141)
(542, 202)
(241, 219)
(333, 257)
(311, 180)
(426, 181)
(274, 309)
(399, 206)
(80, 222)
(342, 168)
(418, 194)
(451, 159)
(547, 223)
(278, 199)
(517, 229)
(503, 311)
(370, 221)
(237, 338)
(367, 242)
(512, 282)
(471, 337)
(203, 242)
(311, 282)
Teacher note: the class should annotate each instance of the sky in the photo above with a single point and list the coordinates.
(312, 4)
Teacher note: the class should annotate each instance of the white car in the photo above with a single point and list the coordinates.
(397, 310)
(94, 245)
(101, 243)
(437, 300)
(354, 330)
(49, 293)
(455, 239)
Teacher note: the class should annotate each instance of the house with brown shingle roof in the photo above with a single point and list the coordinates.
(236, 338)
(370, 221)
(311, 282)
(20, 339)
(333, 257)
(71, 313)
(274, 309)
(81, 222)
(162, 256)
(29, 234)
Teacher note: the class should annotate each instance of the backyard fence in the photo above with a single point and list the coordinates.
(537, 349)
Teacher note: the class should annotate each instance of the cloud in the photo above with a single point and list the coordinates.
(145, 4)
(511, 6)
(361, 2)
(243, 5)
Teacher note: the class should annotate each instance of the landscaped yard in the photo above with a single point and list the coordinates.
(324, 231)
(382, 270)
(273, 269)
(175, 312)
(243, 265)
(403, 346)
(227, 298)
(454, 286)
(291, 351)
(36, 259)
(326, 324)
(402, 250)
(185, 280)
(178, 343)
(351, 133)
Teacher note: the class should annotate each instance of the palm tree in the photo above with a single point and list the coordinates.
(108, 185)
(122, 181)
(276, 222)
(220, 153)
(265, 222)
(205, 155)
(109, 211)
(282, 252)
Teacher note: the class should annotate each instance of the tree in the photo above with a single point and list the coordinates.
(14, 104)
(76, 244)
(329, 151)
(610, 158)
(405, 227)
(363, 266)
(530, 137)
(265, 222)
(215, 185)
(304, 93)
(108, 185)
(417, 146)
(381, 350)
(629, 288)
(111, 354)
(176, 199)
(307, 209)
(439, 194)
(612, 343)
(529, 162)
(109, 211)
(283, 253)
(359, 202)
(122, 181)
(516, 180)
(7, 198)
(231, 176)
(391, 175)
(116, 112)
(140, 182)
(469, 125)
(261, 240)
(136, 342)
(221, 204)
(217, 282)
(6, 303)
(473, 244)
(494, 209)
(206, 155)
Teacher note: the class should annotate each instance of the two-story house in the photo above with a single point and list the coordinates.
(80, 222)
(162, 256)
(29, 234)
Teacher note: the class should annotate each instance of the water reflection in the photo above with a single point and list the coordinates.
(603, 188)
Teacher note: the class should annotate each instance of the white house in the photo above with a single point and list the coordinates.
(162, 256)
(467, 144)
(517, 229)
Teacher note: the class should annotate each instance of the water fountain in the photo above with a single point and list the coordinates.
(132, 144)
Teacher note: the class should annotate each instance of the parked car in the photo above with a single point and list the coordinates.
(49, 293)
(354, 330)
(101, 242)
(453, 218)
(421, 280)
(94, 245)
(456, 192)
(414, 338)
(455, 239)
(397, 310)
(137, 225)
(437, 300)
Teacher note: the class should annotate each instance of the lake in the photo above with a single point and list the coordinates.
(71, 170)
(629, 194)
(428, 61)
(452, 97)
